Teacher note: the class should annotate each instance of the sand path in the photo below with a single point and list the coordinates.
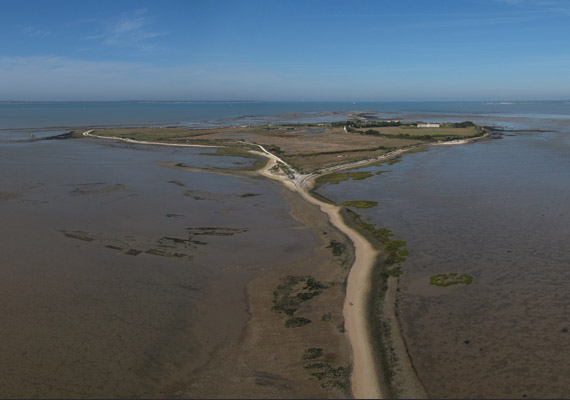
(364, 379)
(127, 140)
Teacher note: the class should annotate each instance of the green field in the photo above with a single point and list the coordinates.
(444, 132)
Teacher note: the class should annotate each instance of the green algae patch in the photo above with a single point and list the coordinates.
(394, 161)
(359, 203)
(249, 195)
(241, 152)
(329, 376)
(337, 177)
(312, 353)
(395, 254)
(395, 272)
(445, 280)
(337, 248)
(292, 292)
(296, 322)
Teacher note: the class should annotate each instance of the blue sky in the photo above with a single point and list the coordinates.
(285, 50)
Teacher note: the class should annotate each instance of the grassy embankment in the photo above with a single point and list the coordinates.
(307, 147)
(387, 265)
(359, 203)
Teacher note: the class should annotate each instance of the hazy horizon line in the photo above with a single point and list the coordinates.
(495, 101)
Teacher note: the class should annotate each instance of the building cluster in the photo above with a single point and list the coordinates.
(428, 125)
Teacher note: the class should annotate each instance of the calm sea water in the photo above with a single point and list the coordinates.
(43, 115)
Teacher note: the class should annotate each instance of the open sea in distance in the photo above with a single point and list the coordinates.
(36, 115)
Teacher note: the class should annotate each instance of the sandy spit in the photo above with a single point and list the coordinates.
(365, 382)
(127, 140)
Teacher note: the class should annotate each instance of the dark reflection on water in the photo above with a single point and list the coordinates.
(110, 283)
(498, 210)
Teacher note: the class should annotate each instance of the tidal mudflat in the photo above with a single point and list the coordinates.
(124, 276)
(171, 249)
(496, 210)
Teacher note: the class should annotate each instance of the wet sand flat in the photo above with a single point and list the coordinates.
(275, 359)
(121, 277)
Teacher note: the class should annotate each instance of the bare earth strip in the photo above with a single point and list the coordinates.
(127, 140)
(365, 380)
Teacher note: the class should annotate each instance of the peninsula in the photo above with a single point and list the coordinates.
(302, 156)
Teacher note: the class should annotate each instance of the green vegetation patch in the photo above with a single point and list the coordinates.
(391, 161)
(312, 353)
(446, 131)
(445, 280)
(313, 284)
(341, 252)
(249, 195)
(464, 124)
(296, 322)
(274, 149)
(360, 203)
(163, 253)
(293, 291)
(78, 235)
(418, 150)
(337, 248)
(395, 253)
(329, 376)
(239, 152)
(395, 272)
(336, 177)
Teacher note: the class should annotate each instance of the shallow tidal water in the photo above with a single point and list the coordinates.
(119, 275)
(499, 211)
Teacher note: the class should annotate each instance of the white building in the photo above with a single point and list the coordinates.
(428, 125)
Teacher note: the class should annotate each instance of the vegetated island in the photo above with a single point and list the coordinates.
(452, 278)
(302, 157)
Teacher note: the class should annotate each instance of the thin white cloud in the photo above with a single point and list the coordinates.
(513, 2)
(549, 5)
(128, 30)
(34, 32)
